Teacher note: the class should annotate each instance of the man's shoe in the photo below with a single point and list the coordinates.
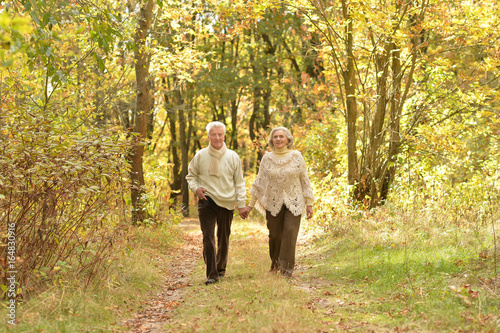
(210, 281)
(222, 273)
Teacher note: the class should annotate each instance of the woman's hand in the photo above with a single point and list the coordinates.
(309, 212)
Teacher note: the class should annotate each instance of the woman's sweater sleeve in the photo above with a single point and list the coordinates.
(252, 201)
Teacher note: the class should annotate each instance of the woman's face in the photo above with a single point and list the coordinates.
(279, 139)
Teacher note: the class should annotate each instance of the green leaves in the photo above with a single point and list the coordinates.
(13, 30)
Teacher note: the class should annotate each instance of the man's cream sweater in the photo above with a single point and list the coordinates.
(227, 190)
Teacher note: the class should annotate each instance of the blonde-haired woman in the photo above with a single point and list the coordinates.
(282, 192)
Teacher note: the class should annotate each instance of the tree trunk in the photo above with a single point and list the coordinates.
(142, 113)
(375, 157)
(184, 145)
(99, 110)
(253, 124)
(234, 125)
(351, 107)
(174, 159)
(389, 170)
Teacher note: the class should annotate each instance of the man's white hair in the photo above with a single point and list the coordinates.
(215, 124)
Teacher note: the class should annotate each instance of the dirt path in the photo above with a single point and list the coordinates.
(157, 311)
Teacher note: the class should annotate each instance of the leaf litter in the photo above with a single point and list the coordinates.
(157, 311)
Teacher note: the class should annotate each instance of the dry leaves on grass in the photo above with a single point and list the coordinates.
(157, 311)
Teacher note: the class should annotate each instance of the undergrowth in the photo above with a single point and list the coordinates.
(135, 271)
(428, 266)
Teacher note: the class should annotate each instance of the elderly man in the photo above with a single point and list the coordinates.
(216, 177)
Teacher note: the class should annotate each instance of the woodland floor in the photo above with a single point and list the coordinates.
(247, 299)
(157, 311)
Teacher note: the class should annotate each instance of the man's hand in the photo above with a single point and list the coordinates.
(200, 193)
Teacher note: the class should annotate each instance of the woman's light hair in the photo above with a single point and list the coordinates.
(288, 136)
(215, 124)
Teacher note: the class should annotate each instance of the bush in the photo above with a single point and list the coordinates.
(60, 196)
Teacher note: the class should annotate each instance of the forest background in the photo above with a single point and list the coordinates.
(393, 104)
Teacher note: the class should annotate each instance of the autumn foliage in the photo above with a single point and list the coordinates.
(393, 104)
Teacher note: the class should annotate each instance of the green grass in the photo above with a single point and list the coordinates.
(430, 285)
(376, 277)
(425, 286)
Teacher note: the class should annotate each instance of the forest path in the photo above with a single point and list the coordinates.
(157, 311)
(247, 274)
(331, 290)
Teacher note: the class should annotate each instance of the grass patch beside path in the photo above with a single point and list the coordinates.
(422, 287)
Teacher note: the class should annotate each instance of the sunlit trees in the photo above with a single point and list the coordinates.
(373, 50)
(456, 139)
(60, 174)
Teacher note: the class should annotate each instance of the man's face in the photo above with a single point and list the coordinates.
(216, 137)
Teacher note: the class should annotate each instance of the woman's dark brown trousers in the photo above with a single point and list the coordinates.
(283, 232)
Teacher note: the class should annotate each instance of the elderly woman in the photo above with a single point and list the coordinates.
(282, 192)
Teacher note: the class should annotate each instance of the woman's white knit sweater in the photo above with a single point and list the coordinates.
(282, 180)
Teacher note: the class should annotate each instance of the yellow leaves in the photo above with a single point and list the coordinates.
(487, 114)
(5, 20)
(6, 133)
(18, 24)
(441, 138)
(22, 25)
(12, 30)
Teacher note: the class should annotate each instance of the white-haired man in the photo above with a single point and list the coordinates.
(216, 177)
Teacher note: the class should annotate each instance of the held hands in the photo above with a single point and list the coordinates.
(200, 193)
(244, 212)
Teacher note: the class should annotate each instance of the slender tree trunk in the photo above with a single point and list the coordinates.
(351, 108)
(99, 110)
(184, 145)
(142, 112)
(151, 118)
(389, 171)
(234, 124)
(253, 124)
(174, 159)
(235, 101)
(374, 158)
